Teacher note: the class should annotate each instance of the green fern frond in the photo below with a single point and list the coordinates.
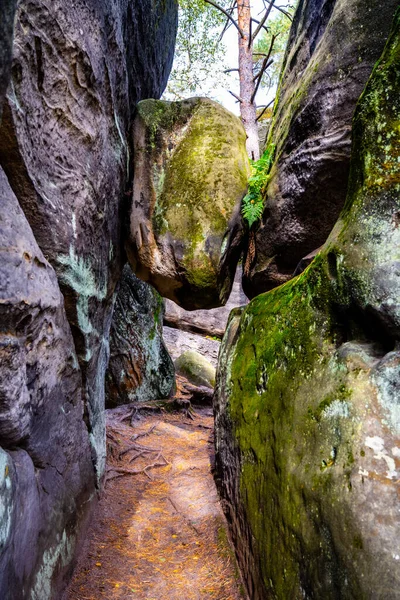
(253, 202)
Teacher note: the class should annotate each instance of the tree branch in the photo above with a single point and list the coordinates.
(231, 70)
(228, 22)
(285, 12)
(265, 108)
(218, 7)
(265, 65)
(259, 27)
(263, 20)
(238, 98)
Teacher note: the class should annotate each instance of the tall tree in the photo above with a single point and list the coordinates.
(198, 50)
(239, 14)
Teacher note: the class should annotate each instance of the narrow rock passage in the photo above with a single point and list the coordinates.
(159, 535)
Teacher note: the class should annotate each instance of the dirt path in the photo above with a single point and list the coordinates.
(162, 538)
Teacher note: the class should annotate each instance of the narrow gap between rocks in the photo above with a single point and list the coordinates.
(159, 530)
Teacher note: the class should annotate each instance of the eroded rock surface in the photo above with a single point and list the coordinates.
(332, 49)
(46, 473)
(78, 71)
(307, 398)
(140, 367)
(196, 368)
(179, 341)
(206, 322)
(190, 174)
(6, 37)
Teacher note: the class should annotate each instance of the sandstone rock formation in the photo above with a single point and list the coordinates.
(332, 48)
(307, 409)
(79, 68)
(46, 473)
(196, 368)
(178, 341)
(6, 37)
(190, 174)
(77, 74)
(140, 367)
(206, 322)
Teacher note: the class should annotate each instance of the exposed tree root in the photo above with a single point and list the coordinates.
(121, 471)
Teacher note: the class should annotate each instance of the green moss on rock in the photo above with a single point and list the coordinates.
(191, 175)
(307, 428)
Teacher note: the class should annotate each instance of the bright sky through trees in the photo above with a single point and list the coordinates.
(218, 85)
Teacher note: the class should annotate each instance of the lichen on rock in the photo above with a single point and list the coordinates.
(140, 368)
(190, 175)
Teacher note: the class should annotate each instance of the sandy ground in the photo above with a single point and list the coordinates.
(159, 534)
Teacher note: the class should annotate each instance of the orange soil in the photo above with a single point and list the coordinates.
(163, 538)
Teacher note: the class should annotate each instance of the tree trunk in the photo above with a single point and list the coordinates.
(247, 107)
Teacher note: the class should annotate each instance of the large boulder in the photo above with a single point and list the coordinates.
(79, 68)
(140, 367)
(47, 479)
(6, 37)
(332, 49)
(308, 392)
(190, 175)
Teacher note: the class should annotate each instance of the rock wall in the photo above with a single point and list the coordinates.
(6, 38)
(332, 49)
(140, 367)
(78, 71)
(307, 399)
(46, 473)
(77, 75)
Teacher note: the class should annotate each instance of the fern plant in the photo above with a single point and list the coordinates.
(253, 202)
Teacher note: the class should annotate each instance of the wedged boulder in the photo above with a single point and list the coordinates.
(78, 70)
(307, 396)
(6, 37)
(206, 322)
(190, 175)
(47, 478)
(196, 368)
(140, 368)
(332, 49)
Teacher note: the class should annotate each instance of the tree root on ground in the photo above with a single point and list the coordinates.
(114, 471)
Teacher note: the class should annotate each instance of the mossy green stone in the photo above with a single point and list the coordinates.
(191, 171)
(196, 368)
(307, 396)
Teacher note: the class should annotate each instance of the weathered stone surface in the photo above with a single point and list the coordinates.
(332, 48)
(190, 174)
(307, 397)
(6, 36)
(140, 367)
(207, 322)
(196, 368)
(47, 478)
(179, 341)
(78, 70)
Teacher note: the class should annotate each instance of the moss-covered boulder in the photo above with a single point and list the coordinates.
(332, 49)
(196, 368)
(190, 174)
(308, 392)
(140, 368)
